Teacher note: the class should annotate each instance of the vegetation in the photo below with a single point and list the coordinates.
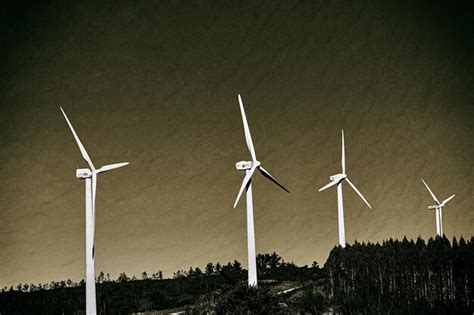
(414, 277)
(403, 276)
(239, 299)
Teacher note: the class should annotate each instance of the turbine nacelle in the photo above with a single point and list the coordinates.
(433, 207)
(83, 173)
(337, 177)
(246, 165)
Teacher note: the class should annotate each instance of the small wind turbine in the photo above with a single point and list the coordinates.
(90, 176)
(439, 210)
(337, 180)
(250, 167)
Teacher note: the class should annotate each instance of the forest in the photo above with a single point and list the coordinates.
(401, 277)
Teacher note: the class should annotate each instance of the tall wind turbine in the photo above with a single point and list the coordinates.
(439, 210)
(90, 176)
(249, 167)
(337, 180)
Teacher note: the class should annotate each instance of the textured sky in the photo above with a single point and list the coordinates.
(155, 83)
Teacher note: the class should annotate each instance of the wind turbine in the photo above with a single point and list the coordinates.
(249, 167)
(90, 176)
(337, 180)
(439, 210)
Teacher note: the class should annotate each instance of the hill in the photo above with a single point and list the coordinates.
(407, 276)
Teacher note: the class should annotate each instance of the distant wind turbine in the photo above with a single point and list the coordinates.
(439, 210)
(90, 176)
(250, 167)
(337, 180)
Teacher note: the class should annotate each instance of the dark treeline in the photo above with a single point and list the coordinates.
(403, 277)
(121, 296)
(147, 292)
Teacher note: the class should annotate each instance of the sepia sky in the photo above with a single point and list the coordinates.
(155, 83)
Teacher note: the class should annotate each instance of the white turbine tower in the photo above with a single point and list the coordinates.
(250, 167)
(337, 180)
(90, 176)
(439, 210)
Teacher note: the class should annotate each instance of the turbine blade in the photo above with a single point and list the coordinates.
(81, 147)
(246, 180)
(270, 177)
(334, 182)
(248, 137)
(343, 158)
(358, 192)
(110, 167)
(432, 195)
(447, 200)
